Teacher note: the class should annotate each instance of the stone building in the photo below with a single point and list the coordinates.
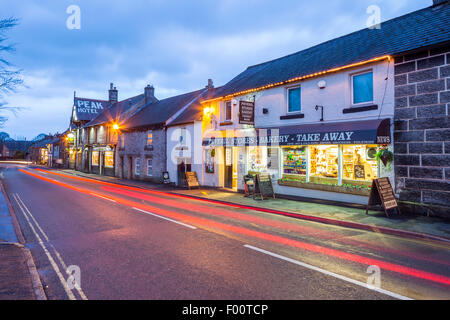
(142, 152)
(422, 129)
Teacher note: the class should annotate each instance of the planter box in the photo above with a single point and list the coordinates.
(324, 187)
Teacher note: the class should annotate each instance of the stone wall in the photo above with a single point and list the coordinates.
(135, 146)
(422, 131)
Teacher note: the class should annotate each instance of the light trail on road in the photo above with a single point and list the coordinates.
(260, 235)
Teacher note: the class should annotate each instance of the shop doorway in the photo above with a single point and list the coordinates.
(228, 179)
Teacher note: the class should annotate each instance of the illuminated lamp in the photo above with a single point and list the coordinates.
(208, 111)
(116, 126)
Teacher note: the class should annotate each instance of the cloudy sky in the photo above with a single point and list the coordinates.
(176, 45)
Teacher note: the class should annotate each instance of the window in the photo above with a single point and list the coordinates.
(150, 138)
(183, 136)
(324, 164)
(149, 167)
(228, 111)
(122, 141)
(362, 88)
(294, 99)
(95, 155)
(109, 159)
(359, 163)
(137, 167)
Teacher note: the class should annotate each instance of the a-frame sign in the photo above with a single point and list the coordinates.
(382, 194)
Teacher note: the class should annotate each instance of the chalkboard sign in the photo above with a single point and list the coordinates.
(382, 194)
(191, 179)
(263, 186)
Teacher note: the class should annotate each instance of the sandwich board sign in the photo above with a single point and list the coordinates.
(382, 194)
(263, 186)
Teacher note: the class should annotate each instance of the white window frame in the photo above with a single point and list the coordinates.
(136, 166)
(287, 99)
(149, 174)
(351, 88)
(224, 112)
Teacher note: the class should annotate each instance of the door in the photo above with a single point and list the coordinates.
(130, 168)
(228, 168)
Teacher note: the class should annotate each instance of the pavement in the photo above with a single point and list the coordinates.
(415, 226)
(18, 276)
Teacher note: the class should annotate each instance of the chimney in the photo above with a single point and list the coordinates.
(149, 93)
(113, 93)
(438, 2)
(210, 84)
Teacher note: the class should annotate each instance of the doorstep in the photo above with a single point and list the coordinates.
(337, 214)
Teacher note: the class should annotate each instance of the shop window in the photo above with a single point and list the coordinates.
(324, 164)
(95, 157)
(359, 163)
(362, 88)
(149, 167)
(109, 159)
(262, 159)
(294, 99)
(137, 167)
(209, 160)
(295, 162)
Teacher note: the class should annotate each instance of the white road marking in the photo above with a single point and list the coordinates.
(329, 273)
(26, 212)
(97, 195)
(168, 219)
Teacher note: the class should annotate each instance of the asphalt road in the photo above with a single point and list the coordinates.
(129, 243)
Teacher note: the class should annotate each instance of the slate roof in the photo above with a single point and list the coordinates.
(119, 111)
(195, 110)
(422, 28)
(158, 113)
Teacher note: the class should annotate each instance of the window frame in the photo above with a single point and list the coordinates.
(287, 99)
(137, 161)
(224, 114)
(146, 142)
(148, 173)
(352, 76)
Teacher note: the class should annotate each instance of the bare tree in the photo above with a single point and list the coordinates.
(9, 76)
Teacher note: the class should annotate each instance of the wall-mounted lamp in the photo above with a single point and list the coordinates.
(208, 111)
(317, 109)
(322, 84)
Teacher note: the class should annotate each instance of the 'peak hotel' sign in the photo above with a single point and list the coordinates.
(89, 106)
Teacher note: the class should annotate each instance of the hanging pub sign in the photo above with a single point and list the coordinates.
(263, 186)
(382, 194)
(191, 179)
(246, 112)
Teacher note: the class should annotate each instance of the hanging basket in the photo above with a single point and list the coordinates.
(386, 156)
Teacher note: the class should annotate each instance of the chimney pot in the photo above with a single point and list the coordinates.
(210, 84)
(149, 93)
(113, 94)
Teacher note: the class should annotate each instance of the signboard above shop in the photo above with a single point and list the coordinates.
(247, 112)
(355, 132)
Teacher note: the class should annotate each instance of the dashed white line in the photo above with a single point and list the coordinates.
(329, 273)
(164, 218)
(99, 196)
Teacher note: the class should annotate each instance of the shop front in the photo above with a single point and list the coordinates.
(317, 160)
(103, 161)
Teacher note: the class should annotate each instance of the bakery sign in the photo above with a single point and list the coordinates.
(361, 132)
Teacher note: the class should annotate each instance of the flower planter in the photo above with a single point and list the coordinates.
(324, 187)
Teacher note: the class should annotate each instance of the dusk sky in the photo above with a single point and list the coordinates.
(174, 45)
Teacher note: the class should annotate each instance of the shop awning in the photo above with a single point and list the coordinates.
(351, 132)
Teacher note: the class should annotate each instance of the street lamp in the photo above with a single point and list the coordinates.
(116, 126)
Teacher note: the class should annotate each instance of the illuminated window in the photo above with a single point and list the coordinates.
(324, 163)
(294, 99)
(359, 163)
(149, 167)
(109, 159)
(95, 156)
(150, 138)
(137, 167)
(294, 161)
(362, 88)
